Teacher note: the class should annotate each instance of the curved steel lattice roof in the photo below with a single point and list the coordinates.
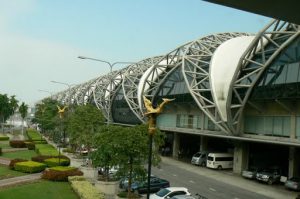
(262, 51)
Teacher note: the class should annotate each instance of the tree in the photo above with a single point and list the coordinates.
(126, 147)
(83, 122)
(23, 109)
(5, 109)
(14, 105)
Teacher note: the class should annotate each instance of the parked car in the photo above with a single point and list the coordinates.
(183, 197)
(270, 175)
(141, 186)
(170, 192)
(293, 183)
(200, 158)
(250, 173)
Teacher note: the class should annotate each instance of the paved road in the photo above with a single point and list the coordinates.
(215, 184)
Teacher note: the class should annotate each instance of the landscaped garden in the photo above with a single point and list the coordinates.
(6, 172)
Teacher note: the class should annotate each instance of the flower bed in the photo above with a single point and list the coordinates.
(17, 144)
(84, 189)
(60, 173)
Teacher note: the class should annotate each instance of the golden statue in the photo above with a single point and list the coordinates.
(152, 113)
(61, 111)
(157, 110)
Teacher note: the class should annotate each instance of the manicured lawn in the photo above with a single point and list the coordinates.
(20, 154)
(46, 149)
(5, 172)
(41, 189)
(5, 145)
(33, 134)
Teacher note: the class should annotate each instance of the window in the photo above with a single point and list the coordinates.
(224, 158)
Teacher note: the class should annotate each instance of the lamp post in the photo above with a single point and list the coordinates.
(111, 65)
(46, 92)
(66, 84)
(152, 114)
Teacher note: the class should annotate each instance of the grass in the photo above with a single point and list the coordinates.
(46, 149)
(5, 173)
(20, 154)
(40, 189)
(33, 134)
(5, 145)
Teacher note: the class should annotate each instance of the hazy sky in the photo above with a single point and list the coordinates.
(41, 39)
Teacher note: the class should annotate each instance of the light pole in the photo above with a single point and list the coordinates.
(66, 84)
(111, 65)
(46, 92)
(152, 113)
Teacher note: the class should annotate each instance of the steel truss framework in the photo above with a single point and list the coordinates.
(193, 59)
(195, 69)
(131, 81)
(156, 75)
(105, 89)
(267, 45)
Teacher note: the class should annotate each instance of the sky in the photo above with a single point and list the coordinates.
(40, 40)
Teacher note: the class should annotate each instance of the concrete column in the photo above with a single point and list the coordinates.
(293, 126)
(176, 143)
(293, 162)
(241, 157)
(203, 143)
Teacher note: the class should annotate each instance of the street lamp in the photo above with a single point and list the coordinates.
(111, 65)
(66, 84)
(46, 92)
(152, 113)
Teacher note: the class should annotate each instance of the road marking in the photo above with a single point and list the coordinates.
(212, 189)
(191, 181)
(174, 175)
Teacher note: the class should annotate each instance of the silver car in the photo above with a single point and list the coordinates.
(293, 183)
(199, 158)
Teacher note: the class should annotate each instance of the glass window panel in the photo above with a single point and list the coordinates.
(259, 125)
(269, 125)
(286, 126)
(292, 72)
(281, 74)
(250, 124)
(298, 127)
(277, 125)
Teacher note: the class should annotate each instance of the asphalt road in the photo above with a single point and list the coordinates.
(208, 187)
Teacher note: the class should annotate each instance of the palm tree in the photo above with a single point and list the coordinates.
(23, 109)
(14, 105)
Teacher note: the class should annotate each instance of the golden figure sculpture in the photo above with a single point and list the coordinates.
(61, 111)
(152, 113)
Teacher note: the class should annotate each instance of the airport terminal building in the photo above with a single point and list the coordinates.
(234, 92)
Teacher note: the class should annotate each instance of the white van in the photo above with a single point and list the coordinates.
(219, 161)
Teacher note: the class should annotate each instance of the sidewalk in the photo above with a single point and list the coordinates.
(273, 191)
(20, 179)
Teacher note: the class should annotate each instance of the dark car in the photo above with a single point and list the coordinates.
(293, 183)
(270, 175)
(141, 186)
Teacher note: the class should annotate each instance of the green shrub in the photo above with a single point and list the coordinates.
(14, 161)
(17, 143)
(30, 145)
(0, 151)
(52, 162)
(76, 178)
(42, 158)
(30, 167)
(60, 173)
(69, 150)
(4, 138)
(86, 190)
(40, 141)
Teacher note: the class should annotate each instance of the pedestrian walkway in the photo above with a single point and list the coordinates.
(4, 161)
(272, 191)
(20, 180)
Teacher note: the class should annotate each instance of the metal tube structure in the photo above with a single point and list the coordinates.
(69, 88)
(111, 65)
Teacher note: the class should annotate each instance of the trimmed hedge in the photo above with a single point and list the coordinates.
(60, 173)
(14, 161)
(69, 150)
(30, 167)
(42, 158)
(85, 189)
(30, 145)
(17, 144)
(0, 151)
(52, 162)
(40, 142)
(4, 138)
